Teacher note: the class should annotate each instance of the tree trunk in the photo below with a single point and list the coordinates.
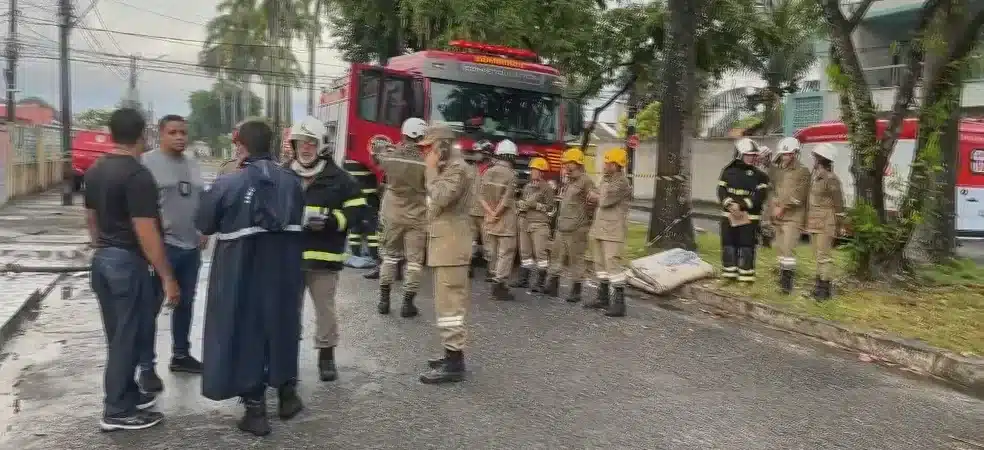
(669, 223)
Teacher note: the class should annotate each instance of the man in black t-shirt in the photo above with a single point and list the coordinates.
(124, 226)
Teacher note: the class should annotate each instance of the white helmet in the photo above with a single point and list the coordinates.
(826, 151)
(311, 128)
(506, 147)
(413, 127)
(746, 146)
(788, 145)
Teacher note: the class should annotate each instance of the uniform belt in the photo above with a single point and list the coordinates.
(249, 231)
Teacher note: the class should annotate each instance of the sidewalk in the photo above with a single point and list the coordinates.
(40, 240)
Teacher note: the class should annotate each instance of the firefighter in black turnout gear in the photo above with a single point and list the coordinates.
(332, 203)
(741, 189)
(367, 227)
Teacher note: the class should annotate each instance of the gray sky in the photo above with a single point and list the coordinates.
(178, 27)
(169, 30)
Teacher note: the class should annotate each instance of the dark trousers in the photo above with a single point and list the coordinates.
(366, 233)
(123, 284)
(738, 250)
(185, 263)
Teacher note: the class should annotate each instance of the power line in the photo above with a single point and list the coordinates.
(99, 18)
(81, 16)
(179, 68)
(159, 14)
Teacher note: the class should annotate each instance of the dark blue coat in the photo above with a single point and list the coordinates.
(255, 285)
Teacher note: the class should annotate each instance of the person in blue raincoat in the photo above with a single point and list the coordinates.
(255, 286)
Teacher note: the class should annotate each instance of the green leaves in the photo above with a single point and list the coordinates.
(215, 112)
(92, 119)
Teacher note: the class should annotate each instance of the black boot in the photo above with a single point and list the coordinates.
(826, 289)
(254, 420)
(451, 369)
(501, 292)
(786, 281)
(384, 299)
(553, 286)
(617, 307)
(523, 280)
(541, 281)
(575, 295)
(602, 300)
(326, 364)
(729, 260)
(289, 403)
(373, 274)
(817, 293)
(408, 309)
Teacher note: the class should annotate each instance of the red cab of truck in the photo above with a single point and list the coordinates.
(485, 92)
(87, 147)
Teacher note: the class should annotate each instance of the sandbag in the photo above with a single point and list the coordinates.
(665, 271)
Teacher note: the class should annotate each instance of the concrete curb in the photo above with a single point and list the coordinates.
(914, 354)
(10, 328)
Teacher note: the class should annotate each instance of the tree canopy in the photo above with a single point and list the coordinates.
(215, 112)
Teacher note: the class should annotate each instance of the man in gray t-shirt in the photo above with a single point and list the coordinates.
(180, 184)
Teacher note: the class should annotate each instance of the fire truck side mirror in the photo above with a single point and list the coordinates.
(418, 106)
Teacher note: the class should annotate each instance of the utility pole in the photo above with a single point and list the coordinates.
(12, 50)
(65, 28)
(133, 74)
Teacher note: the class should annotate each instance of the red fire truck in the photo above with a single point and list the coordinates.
(485, 92)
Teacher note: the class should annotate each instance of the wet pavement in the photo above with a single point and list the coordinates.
(543, 375)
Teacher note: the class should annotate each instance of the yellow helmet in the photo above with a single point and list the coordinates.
(573, 155)
(618, 156)
(539, 163)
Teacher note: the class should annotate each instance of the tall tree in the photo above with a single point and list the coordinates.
(92, 119)
(879, 240)
(782, 50)
(670, 226)
(212, 109)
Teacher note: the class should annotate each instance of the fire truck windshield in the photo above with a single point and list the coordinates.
(495, 111)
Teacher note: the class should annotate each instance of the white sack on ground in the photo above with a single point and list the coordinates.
(665, 271)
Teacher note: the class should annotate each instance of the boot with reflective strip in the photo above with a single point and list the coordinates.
(254, 420)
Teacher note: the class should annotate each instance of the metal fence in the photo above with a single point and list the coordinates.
(34, 143)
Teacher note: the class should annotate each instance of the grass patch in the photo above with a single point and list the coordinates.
(946, 308)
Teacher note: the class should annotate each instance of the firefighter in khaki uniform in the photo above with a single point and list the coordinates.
(333, 202)
(787, 207)
(611, 224)
(482, 150)
(826, 212)
(536, 207)
(498, 199)
(741, 190)
(573, 221)
(404, 212)
(449, 250)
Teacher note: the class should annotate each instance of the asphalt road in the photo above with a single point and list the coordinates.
(543, 375)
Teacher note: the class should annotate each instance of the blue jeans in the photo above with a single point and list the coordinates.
(125, 288)
(185, 263)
